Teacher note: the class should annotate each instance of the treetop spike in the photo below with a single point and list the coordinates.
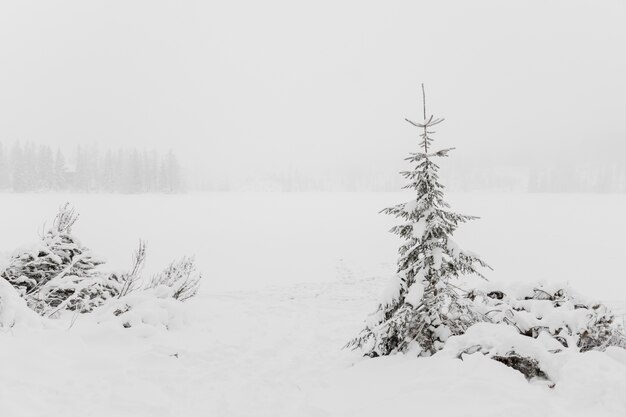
(425, 121)
(424, 100)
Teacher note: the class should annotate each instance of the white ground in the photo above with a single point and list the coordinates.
(288, 280)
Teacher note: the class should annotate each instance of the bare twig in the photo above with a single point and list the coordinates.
(131, 278)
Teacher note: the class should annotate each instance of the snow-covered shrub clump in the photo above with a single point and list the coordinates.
(181, 279)
(58, 273)
(423, 306)
(531, 324)
(532, 328)
(553, 311)
(158, 304)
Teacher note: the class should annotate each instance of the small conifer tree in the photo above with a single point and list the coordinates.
(59, 273)
(423, 306)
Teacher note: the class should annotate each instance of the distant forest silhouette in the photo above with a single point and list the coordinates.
(29, 167)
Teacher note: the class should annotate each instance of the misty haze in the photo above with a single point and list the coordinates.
(197, 198)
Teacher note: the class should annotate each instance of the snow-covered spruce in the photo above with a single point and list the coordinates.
(425, 311)
(58, 272)
(423, 307)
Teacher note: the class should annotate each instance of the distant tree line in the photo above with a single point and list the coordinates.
(29, 167)
(607, 178)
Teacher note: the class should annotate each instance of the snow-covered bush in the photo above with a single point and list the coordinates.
(158, 304)
(553, 312)
(180, 277)
(530, 327)
(58, 272)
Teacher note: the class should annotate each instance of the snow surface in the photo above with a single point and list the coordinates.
(288, 279)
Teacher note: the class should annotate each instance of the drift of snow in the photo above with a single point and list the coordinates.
(14, 313)
(225, 360)
(144, 311)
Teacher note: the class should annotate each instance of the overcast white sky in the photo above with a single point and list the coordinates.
(320, 85)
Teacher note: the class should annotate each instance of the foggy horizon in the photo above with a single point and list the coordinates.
(242, 90)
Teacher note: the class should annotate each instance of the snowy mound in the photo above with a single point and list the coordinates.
(587, 384)
(14, 312)
(144, 311)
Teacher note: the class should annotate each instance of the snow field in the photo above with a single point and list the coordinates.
(276, 352)
(288, 280)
